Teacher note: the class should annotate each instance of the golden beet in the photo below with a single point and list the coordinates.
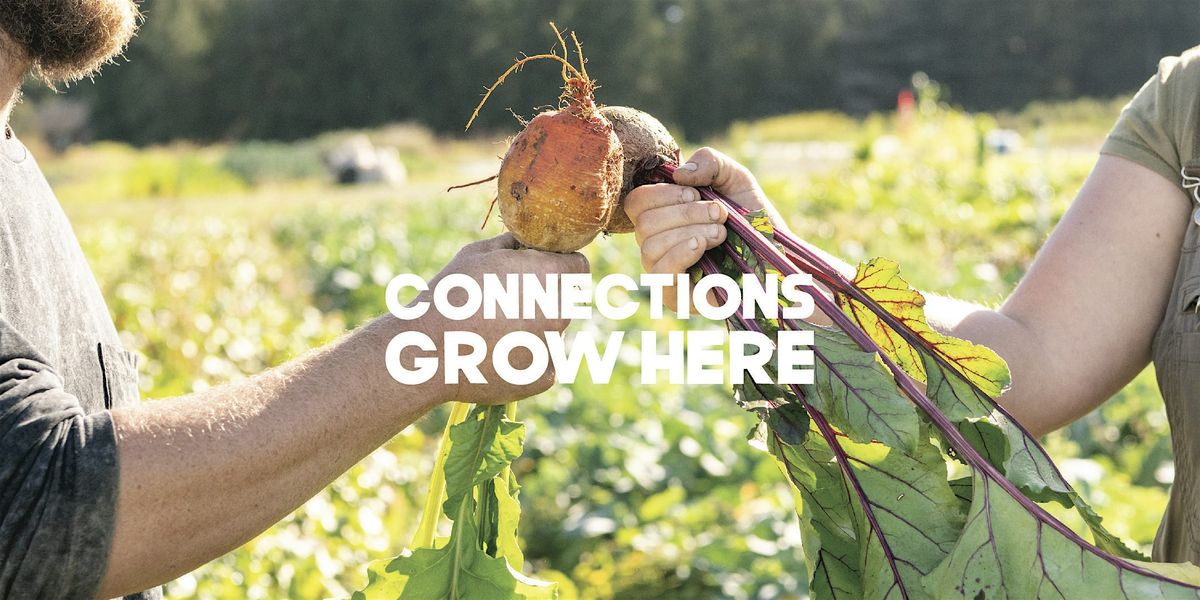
(561, 179)
(564, 176)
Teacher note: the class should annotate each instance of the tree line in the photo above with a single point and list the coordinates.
(288, 69)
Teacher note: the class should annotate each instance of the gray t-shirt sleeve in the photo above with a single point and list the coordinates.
(58, 481)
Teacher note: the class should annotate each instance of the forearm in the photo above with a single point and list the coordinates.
(202, 474)
(1008, 337)
(1031, 369)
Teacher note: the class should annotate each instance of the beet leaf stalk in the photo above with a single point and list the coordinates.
(473, 486)
(870, 443)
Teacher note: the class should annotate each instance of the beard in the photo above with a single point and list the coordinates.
(67, 40)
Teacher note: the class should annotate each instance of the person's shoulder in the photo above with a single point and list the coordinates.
(1157, 127)
(1182, 70)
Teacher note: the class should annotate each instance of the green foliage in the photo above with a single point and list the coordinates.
(853, 391)
(113, 172)
(628, 491)
(211, 289)
(796, 127)
(480, 560)
(884, 546)
(1066, 123)
(264, 162)
(216, 70)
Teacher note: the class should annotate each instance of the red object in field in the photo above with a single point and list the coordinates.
(906, 108)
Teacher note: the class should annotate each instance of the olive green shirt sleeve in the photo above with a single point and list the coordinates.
(1157, 129)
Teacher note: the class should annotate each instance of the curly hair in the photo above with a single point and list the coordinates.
(67, 40)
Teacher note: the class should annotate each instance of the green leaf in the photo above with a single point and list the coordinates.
(879, 517)
(1185, 572)
(762, 223)
(460, 570)
(424, 536)
(964, 489)
(880, 279)
(381, 585)
(827, 517)
(481, 446)
(1012, 451)
(754, 396)
(482, 558)
(1005, 552)
(991, 433)
(775, 405)
(857, 394)
(789, 422)
(509, 509)
(912, 501)
(916, 510)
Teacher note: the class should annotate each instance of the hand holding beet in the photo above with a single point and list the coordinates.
(500, 256)
(709, 167)
(674, 227)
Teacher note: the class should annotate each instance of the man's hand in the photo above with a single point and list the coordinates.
(500, 256)
(674, 227)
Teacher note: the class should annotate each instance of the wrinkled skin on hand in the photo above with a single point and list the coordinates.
(500, 255)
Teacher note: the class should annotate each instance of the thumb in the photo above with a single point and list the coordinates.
(710, 167)
(573, 262)
(504, 241)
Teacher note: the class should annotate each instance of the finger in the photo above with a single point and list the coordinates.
(646, 197)
(504, 241)
(657, 220)
(555, 262)
(539, 321)
(575, 263)
(679, 258)
(528, 260)
(710, 167)
(545, 382)
(654, 248)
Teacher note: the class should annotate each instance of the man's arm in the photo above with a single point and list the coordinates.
(202, 474)
(1077, 328)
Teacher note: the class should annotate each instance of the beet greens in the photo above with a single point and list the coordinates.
(867, 450)
(481, 559)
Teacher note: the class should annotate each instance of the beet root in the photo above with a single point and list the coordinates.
(645, 143)
(560, 180)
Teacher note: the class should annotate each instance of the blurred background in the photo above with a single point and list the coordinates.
(250, 175)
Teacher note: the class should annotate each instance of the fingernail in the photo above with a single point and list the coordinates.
(714, 231)
(714, 212)
(688, 166)
(693, 243)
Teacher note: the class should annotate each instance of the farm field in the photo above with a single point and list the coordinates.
(221, 261)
